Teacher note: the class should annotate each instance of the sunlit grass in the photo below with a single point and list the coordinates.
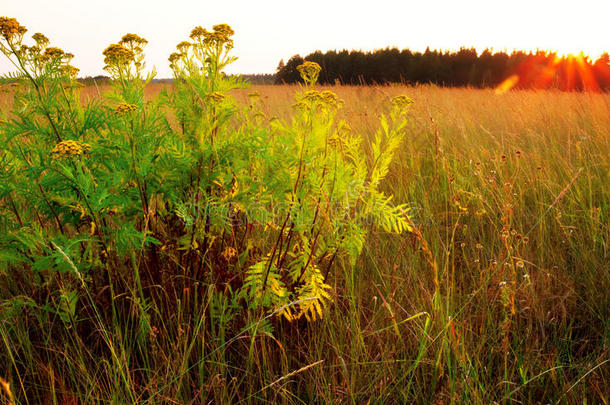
(510, 196)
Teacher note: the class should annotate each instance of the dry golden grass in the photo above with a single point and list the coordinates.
(510, 196)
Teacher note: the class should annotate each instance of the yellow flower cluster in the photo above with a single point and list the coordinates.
(309, 71)
(325, 98)
(174, 57)
(67, 149)
(215, 97)
(40, 39)
(124, 108)
(223, 29)
(53, 53)
(69, 70)
(198, 32)
(402, 102)
(130, 39)
(330, 98)
(183, 46)
(220, 35)
(309, 68)
(134, 44)
(29, 51)
(117, 55)
(10, 28)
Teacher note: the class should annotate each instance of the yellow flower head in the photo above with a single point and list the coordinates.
(312, 96)
(220, 35)
(132, 40)
(402, 102)
(198, 32)
(174, 57)
(216, 37)
(330, 98)
(67, 149)
(309, 71)
(69, 71)
(183, 46)
(124, 108)
(29, 51)
(40, 39)
(52, 53)
(224, 29)
(10, 28)
(323, 99)
(117, 55)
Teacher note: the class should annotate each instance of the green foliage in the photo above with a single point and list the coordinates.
(107, 200)
(178, 248)
(188, 184)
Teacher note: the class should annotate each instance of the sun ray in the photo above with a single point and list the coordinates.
(586, 76)
(507, 84)
(548, 73)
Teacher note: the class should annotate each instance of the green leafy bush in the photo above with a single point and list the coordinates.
(188, 184)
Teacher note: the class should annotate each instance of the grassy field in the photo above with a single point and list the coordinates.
(511, 195)
(499, 295)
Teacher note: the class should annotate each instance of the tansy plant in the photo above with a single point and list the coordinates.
(283, 200)
(187, 189)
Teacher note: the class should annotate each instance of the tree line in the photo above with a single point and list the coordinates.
(466, 67)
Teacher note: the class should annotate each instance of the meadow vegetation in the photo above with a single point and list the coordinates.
(204, 242)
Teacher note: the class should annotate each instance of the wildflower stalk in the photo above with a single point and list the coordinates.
(25, 71)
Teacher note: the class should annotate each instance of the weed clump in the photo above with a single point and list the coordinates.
(210, 211)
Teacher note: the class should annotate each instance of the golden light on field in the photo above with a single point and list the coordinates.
(507, 84)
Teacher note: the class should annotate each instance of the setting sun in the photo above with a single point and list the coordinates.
(268, 31)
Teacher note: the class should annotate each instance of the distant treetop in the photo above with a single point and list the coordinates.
(531, 70)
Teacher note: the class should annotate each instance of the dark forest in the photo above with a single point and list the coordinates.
(463, 68)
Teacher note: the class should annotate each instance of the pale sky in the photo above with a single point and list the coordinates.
(269, 30)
